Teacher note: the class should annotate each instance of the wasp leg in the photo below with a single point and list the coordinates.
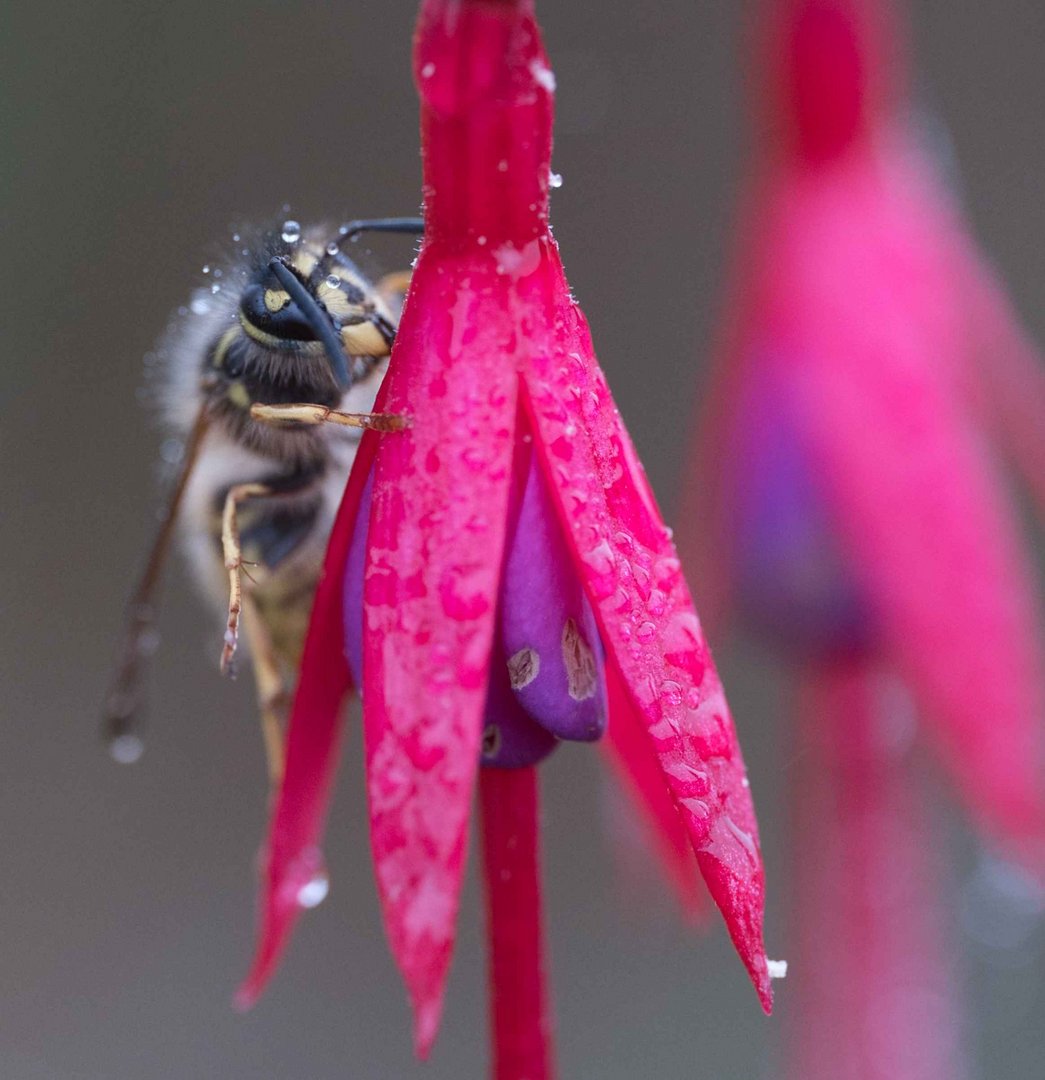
(230, 546)
(323, 414)
(272, 690)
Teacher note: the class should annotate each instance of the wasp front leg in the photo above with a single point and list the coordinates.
(233, 554)
(324, 414)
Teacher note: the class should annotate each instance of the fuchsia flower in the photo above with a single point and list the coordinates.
(499, 577)
(858, 520)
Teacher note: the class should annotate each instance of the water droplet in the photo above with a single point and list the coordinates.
(502, 165)
(543, 75)
(480, 240)
(126, 749)
(206, 269)
(200, 305)
(332, 248)
(555, 180)
(314, 892)
(646, 631)
(172, 450)
(333, 281)
(776, 969)
(215, 289)
(291, 232)
(235, 237)
(672, 692)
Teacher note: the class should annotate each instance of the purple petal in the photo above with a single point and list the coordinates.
(548, 632)
(355, 565)
(510, 738)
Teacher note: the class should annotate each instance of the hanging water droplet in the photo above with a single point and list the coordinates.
(332, 248)
(314, 892)
(334, 281)
(291, 231)
(126, 749)
(206, 269)
(555, 180)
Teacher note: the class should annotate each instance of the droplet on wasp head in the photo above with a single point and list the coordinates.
(291, 232)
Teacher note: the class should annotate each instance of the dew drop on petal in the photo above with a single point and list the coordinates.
(543, 75)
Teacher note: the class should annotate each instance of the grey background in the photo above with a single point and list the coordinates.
(134, 136)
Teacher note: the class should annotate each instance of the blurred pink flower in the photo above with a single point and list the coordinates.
(499, 577)
(849, 506)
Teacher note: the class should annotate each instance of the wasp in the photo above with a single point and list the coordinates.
(271, 374)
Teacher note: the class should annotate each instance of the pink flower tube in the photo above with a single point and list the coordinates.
(499, 577)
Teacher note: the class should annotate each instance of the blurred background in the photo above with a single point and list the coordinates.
(137, 137)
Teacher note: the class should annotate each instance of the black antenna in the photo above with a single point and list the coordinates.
(317, 318)
(353, 229)
(349, 231)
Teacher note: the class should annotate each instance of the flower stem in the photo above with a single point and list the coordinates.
(519, 1005)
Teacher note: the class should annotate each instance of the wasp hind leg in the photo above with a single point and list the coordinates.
(234, 564)
(272, 690)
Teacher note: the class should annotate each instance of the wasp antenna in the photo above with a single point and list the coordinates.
(122, 710)
(317, 318)
(352, 229)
